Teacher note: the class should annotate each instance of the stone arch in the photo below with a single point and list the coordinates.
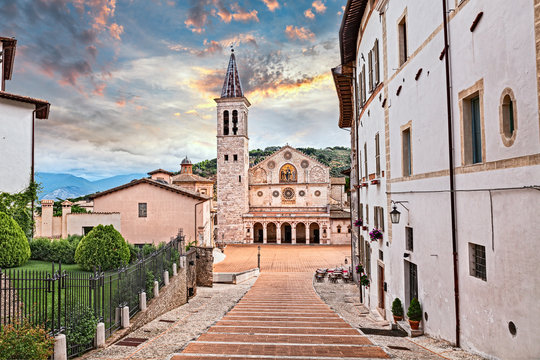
(314, 233)
(286, 233)
(300, 233)
(259, 176)
(258, 232)
(271, 232)
(317, 175)
(288, 174)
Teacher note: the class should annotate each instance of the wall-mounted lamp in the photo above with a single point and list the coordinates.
(395, 214)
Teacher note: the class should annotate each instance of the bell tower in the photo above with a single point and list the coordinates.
(232, 157)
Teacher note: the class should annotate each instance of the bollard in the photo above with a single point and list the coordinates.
(142, 301)
(100, 335)
(60, 347)
(174, 269)
(125, 317)
(156, 289)
(166, 277)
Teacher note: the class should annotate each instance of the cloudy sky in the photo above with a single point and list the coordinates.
(131, 82)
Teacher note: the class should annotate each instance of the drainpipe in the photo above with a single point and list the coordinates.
(451, 168)
(195, 225)
(32, 166)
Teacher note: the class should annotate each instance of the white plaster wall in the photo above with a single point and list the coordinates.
(15, 145)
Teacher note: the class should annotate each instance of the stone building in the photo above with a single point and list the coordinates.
(286, 198)
(442, 101)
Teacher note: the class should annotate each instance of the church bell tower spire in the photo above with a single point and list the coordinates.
(232, 157)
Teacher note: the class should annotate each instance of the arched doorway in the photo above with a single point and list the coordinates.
(286, 233)
(271, 233)
(314, 234)
(258, 233)
(300, 233)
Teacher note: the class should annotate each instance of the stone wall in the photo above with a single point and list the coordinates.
(205, 266)
(170, 297)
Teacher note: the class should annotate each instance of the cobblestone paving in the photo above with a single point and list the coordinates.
(283, 258)
(281, 317)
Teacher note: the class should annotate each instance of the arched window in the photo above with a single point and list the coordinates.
(287, 174)
(339, 229)
(226, 122)
(508, 117)
(235, 122)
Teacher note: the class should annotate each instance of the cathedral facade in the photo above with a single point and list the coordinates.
(288, 197)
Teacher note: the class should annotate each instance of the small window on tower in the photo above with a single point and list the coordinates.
(235, 122)
(239, 178)
(235, 157)
(226, 122)
(226, 157)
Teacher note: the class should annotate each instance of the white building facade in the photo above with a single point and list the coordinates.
(17, 116)
(466, 243)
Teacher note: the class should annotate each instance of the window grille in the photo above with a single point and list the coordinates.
(142, 209)
(478, 261)
(409, 242)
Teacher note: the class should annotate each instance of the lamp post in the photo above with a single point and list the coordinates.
(395, 214)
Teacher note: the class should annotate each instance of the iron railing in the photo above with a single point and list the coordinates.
(59, 300)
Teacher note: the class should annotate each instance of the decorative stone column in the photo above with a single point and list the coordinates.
(265, 238)
(293, 233)
(278, 233)
(308, 230)
(251, 230)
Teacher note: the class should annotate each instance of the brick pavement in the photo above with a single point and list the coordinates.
(283, 258)
(281, 317)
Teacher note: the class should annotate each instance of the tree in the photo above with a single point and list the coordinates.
(103, 246)
(14, 248)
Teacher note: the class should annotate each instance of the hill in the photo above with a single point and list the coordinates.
(337, 158)
(63, 186)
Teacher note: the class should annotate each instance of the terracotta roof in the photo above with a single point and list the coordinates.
(42, 106)
(160, 171)
(9, 46)
(169, 187)
(190, 178)
(232, 88)
(349, 30)
(337, 181)
(339, 214)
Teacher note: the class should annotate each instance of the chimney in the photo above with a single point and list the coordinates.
(47, 218)
(66, 209)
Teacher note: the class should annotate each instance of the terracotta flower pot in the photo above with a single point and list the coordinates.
(414, 324)
(397, 318)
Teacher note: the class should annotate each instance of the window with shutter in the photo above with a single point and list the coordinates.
(370, 66)
(365, 161)
(376, 216)
(377, 155)
(361, 89)
(381, 218)
(364, 83)
(376, 65)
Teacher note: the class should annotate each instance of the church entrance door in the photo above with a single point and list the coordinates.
(314, 233)
(300, 233)
(258, 233)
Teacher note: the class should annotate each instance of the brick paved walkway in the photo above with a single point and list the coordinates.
(283, 258)
(281, 317)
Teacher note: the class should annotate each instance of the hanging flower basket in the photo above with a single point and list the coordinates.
(359, 269)
(375, 235)
(364, 281)
(359, 223)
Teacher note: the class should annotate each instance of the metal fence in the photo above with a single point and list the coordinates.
(61, 300)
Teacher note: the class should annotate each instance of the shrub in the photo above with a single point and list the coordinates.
(40, 249)
(14, 248)
(397, 308)
(103, 246)
(148, 249)
(149, 284)
(83, 329)
(415, 311)
(133, 253)
(62, 251)
(24, 341)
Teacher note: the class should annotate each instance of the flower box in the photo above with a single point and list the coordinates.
(375, 234)
(375, 182)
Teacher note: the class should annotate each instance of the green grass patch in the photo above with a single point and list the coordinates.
(38, 265)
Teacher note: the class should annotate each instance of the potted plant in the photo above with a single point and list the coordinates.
(375, 234)
(364, 280)
(359, 223)
(414, 314)
(397, 310)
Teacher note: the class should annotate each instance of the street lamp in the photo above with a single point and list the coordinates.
(395, 215)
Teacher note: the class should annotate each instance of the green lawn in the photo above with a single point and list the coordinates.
(37, 265)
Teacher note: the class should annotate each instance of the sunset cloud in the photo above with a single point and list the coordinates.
(319, 6)
(309, 14)
(271, 4)
(116, 30)
(201, 11)
(301, 33)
